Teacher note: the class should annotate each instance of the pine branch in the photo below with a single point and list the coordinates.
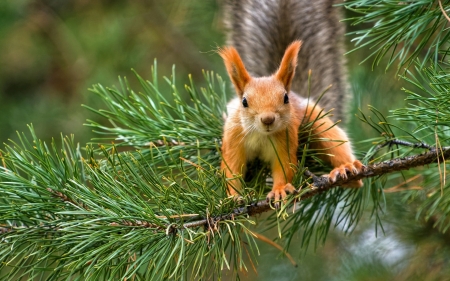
(404, 143)
(401, 30)
(322, 184)
(319, 185)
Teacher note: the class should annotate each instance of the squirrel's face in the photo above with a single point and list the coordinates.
(265, 103)
(265, 106)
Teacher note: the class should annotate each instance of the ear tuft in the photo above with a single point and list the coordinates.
(288, 64)
(235, 68)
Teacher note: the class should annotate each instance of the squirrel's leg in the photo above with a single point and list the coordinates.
(338, 151)
(233, 164)
(282, 172)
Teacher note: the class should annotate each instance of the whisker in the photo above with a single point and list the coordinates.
(249, 130)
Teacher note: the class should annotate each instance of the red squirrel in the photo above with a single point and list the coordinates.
(263, 122)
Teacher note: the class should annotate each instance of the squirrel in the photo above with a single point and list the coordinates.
(263, 120)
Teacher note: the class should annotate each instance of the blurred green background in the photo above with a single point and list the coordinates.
(52, 51)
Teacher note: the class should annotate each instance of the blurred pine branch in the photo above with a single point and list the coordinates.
(400, 30)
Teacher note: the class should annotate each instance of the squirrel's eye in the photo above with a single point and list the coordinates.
(244, 102)
(286, 98)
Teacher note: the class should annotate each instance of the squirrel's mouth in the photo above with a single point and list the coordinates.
(268, 130)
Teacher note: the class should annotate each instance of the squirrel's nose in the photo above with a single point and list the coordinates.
(268, 119)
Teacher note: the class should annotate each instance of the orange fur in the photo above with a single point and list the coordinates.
(339, 155)
(288, 64)
(235, 68)
(263, 122)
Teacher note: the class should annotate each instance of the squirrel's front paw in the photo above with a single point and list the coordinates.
(279, 193)
(342, 171)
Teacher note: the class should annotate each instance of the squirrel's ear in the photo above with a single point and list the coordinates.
(235, 68)
(288, 64)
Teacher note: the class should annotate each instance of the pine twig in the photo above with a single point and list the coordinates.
(65, 198)
(443, 11)
(275, 245)
(404, 143)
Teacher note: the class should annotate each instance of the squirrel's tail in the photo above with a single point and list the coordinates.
(262, 29)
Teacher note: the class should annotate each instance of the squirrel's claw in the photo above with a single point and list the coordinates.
(238, 198)
(279, 193)
(342, 170)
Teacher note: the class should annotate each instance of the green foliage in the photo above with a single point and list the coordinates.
(52, 51)
(150, 119)
(401, 30)
(413, 35)
(425, 120)
(67, 216)
(428, 108)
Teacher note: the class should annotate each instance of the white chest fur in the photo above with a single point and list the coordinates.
(259, 146)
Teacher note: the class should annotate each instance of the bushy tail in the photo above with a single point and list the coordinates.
(262, 29)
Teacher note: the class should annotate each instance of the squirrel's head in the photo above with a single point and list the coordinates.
(264, 100)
